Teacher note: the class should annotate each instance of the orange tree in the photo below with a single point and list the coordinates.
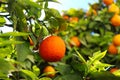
(22, 50)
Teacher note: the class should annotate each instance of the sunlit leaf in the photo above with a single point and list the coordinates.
(14, 34)
(45, 78)
(30, 74)
(2, 21)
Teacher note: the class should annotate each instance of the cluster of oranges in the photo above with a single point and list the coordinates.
(73, 19)
(112, 7)
(114, 46)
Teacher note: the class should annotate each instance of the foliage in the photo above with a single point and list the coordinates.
(89, 61)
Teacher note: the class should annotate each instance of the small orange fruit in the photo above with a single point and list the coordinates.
(74, 19)
(94, 12)
(52, 49)
(65, 17)
(116, 40)
(112, 49)
(50, 71)
(108, 2)
(114, 8)
(115, 20)
(113, 69)
(74, 41)
(91, 12)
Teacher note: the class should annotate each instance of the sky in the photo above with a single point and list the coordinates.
(64, 5)
(67, 4)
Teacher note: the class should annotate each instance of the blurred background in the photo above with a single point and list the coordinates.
(62, 5)
(67, 4)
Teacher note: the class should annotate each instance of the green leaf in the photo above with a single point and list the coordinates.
(51, 12)
(9, 42)
(96, 57)
(117, 73)
(45, 78)
(30, 74)
(5, 51)
(45, 31)
(22, 51)
(2, 21)
(3, 76)
(14, 34)
(5, 67)
(63, 69)
(46, 4)
(80, 57)
(36, 70)
(72, 76)
(103, 76)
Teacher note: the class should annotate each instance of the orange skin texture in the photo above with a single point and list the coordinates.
(116, 40)
(74, 41)
(50, 70)
(74, 19)
(114, 8)
(113, 69)
(112, 49)
(52, 49)
(115, 20)
(108, 2)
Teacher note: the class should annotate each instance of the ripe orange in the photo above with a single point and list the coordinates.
(74, 41)
(114, 8)
(108, 2)
(113, 69)
(115, 20)
(112, 49)
(65, 17)
(52, 49)
(116, 40)
(74, 19)
(50, 71)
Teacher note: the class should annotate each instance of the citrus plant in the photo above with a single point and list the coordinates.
(69, 46)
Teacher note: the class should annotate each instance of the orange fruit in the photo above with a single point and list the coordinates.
(49, 71)
(65, 17)
(90, 12)
(113, 69)
(52, 49)
(74, 19)
(112, 49)
(74, 41)
(94, 12)
(116, 40)
(115, 20)
(114, 8)
(108, 2)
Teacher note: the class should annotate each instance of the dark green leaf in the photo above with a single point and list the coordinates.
(64, 69)
(104, 76)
